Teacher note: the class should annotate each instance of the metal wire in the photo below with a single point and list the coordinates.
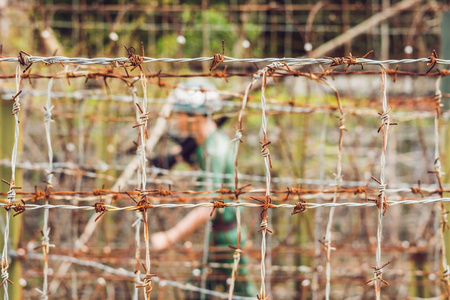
(12, 187)
(309, 205)
(275, 65)
(289, 60)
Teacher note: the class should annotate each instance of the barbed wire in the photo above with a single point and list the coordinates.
(27, 59)
(337, 185)
(381, 198)
(309, 205)
(46, 229)
(439, 173)
(11, 195)
(184, 196)
(276, 67)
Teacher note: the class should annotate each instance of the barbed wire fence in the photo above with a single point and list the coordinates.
(107, 201)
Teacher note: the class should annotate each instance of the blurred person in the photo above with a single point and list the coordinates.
(193, 101)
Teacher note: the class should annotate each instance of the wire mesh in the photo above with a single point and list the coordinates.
(100, 184)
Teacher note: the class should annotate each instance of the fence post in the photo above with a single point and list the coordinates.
(445, 88)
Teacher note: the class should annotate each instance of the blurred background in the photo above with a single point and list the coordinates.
(250, 28)
(93, 139)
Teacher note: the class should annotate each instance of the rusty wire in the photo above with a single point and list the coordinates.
(338, 179)
(144, 202)
(11, 195)
(439, 173)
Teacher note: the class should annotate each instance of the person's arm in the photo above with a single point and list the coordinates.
(194, 219)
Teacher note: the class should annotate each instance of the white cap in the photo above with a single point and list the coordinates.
(196, 96)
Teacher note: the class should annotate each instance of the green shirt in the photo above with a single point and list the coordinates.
(220, 152)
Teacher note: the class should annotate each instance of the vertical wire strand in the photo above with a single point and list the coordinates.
(267, 164)
(46, 229)
(237, 140)
(11, 196)
(337, 186)
(208, 224)
(439, 173)
(143, 133)
(137, 224)
(318, 217)
(382, 205)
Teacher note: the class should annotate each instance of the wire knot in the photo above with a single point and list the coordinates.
(135, 59)
(299, 207)
(276, 65)
(48, 114)
(100, 208)
(5, 274)
(237, 136)
(378, 273)
(19, 208)
(16, 107)
(265, 150)
(45, 241)
(218, 59)
(326, 243)
(382, 188)
(11, 195)
(217, 204)
(24, 59)
(417, 190)
(432, 60)
(263, 224)
(147, 283)
(384, 116)
(360, 190)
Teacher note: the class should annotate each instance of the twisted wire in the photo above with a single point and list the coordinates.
(46, 229)
(309, 205)
(437, 165)
(338, 180)
(11, 192)
(117, 62)
(385, 119)
(237, 140)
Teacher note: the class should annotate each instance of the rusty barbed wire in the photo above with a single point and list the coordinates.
(130, 79)
(338, 179)
(11, 194)
(381, 202)
(26, 59)
(263, 205)
(148, 200)
(181, 195)
(439, 173)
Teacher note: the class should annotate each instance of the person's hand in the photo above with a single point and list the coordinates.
(160, 240)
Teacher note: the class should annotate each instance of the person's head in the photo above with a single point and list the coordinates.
(194, 100)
